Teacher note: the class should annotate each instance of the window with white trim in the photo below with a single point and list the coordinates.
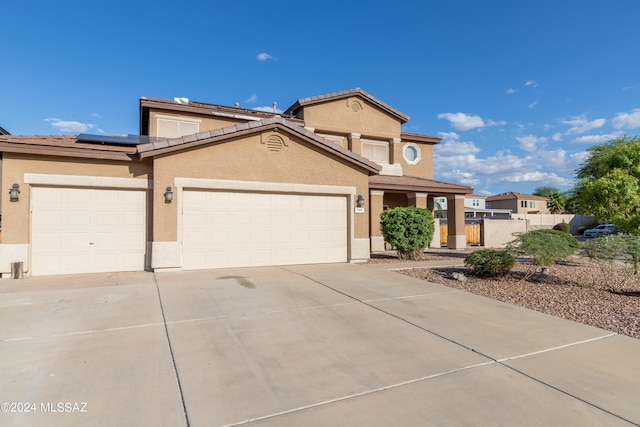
(175, 127)
(376, 151)
(338, 140)
(411, 153)
(475, 203)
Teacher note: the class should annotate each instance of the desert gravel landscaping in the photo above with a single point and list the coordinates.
(576, 289)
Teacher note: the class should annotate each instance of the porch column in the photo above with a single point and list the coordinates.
(375, 209)
(418, 200)
(455, 218)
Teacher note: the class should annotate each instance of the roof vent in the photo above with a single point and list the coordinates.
(237, 105)
(182, 101)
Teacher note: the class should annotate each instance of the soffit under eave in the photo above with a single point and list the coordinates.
(431, 190)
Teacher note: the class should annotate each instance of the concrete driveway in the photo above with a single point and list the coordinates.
(305, 345)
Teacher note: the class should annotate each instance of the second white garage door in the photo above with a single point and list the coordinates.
(238, 229)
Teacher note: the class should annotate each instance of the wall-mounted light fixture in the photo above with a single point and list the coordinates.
(14, 192)
(168, 195)
(360, 201)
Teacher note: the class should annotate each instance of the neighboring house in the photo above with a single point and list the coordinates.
(519, 203)
(474, 207)
(207, 186)
(3, 131)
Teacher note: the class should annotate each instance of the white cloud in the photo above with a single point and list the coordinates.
(530, 142)
(71, 126)
(627, 120)
(531, 83)
(547, 178)
(253, 98)
(264, 56)
(455, 148)
(533, 104)
(449, 136)
(557, 136)
(597, 139)
(456, 161)
(511, 91)
(463, 121)
(580, 124)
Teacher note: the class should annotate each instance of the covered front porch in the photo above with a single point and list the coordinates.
(386, 192)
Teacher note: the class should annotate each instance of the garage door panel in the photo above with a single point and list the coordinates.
(254, 229)
(86, 230)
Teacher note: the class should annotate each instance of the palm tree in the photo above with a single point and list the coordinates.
(556, 202)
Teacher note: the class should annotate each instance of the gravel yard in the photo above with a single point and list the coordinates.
(577, 290)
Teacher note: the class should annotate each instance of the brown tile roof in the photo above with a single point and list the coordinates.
(64, 145)
(162, 146)
(512, 195)
(345, 94)
(412, 183)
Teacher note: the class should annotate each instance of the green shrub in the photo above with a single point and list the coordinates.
(489, 262)
(409, 230)
(563, 226)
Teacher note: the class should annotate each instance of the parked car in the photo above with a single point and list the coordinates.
(601, 230)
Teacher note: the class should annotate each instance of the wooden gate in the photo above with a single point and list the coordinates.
(471, 231)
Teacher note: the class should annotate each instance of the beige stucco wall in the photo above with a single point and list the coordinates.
(424, 168)
(15, 215)
(249, 159)
(395, 200)
(496, 233)
(339, 117)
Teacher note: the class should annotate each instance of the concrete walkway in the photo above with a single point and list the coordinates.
(320, 345)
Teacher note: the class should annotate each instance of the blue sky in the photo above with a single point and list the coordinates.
(517, 89)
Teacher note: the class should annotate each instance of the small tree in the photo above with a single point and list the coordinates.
(409, 230)
(543, 247)
(615, 253)
(609, 183)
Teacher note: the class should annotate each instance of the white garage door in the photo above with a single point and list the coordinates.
(236, 229)
(83, 230)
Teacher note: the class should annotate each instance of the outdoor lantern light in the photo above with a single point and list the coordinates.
(360, 201)
(168, 195)
(13, 193)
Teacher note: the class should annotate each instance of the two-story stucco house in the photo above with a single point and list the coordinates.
(208, 186)
(519, 203)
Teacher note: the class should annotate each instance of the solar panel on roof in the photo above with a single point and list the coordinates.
(114, 139)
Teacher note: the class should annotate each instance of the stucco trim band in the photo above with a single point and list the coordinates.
(269, 187)
(87, 181)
